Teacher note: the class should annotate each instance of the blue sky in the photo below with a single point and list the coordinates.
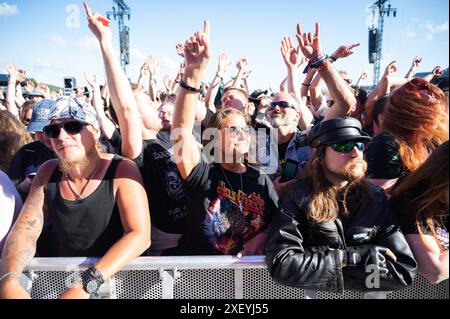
(36, 35)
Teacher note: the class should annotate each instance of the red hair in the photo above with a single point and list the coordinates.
(417, 116)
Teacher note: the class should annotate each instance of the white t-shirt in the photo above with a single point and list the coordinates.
(10, 207)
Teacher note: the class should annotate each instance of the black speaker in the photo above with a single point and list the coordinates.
(373, 45)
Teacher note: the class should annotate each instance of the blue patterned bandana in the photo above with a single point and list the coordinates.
(72, 108)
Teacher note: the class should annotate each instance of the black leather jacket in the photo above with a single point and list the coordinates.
(306, 254)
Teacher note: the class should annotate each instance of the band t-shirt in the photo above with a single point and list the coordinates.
(163, 184)
(224, 213)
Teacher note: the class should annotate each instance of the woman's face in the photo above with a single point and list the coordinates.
(235, 138)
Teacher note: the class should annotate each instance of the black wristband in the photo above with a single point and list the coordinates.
(189, 88)
(332, 58)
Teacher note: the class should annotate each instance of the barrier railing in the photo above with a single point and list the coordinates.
(199, 277)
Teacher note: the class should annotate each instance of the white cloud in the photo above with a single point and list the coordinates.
(169, 63)
(8, 10)
(434, 28)
(137, 54)
(57, 39)
(89, 43)
(408, 33)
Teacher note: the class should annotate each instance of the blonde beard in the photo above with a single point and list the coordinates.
(67, 165)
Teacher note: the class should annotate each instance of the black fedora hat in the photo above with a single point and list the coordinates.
(337, 130)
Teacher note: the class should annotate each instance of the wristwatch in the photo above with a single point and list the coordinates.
(92, 279)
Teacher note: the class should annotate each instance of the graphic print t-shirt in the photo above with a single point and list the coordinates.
(215, 223)
(163, 184)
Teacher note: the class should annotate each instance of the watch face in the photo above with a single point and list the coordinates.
(92, 286)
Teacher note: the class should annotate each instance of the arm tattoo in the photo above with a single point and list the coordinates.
(20, 246)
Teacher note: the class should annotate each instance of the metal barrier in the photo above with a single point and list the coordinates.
(199, 277)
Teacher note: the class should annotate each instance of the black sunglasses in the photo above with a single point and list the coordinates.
(72, 128)
(282, 104)
(347, 147)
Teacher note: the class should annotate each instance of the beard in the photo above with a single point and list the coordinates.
(65, 165)
(354, 171)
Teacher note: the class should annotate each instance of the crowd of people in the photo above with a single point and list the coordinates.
(324, 184)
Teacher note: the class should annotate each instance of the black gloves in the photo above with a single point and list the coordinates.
(366, 255)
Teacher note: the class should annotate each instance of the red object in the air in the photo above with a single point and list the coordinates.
(104, 21)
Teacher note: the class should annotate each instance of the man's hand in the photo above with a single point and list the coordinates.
(144, 71)
(416, 62)
(44, 90)
(391, 69)
(153, 66)
(76, 292)
(255, 246)
(242, 65)
(168, 82)
(438, 71)
(291, 54)
(97, 25)
(363, 75)
(309, 44)
(197, 50)
(180, 49)
(344, 51)
(91, 79)
(224, 64)
(12, 70)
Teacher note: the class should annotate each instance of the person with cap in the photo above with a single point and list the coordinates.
(334, 230)
(86, 194)
(28, 158)
(262, 101)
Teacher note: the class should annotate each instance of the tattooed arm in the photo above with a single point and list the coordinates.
(20, 246)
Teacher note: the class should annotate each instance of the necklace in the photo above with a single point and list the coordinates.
(76, 194)
(229, 184)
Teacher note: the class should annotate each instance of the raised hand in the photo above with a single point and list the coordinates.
(91, 79)
(309, 44)
(438, 71)
(242, 64)
(12, 70)
(224, 64)
(291, 54)
(144, 70)
(97, 25)
(416, 62)
(44, 90)
(180, 49)
(363, 75)
(344, 51)
(153, 66)
(197, 50)
(391, 69)
(168, 82)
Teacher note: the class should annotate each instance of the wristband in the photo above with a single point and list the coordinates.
(187, 87)
(322, 66)
(332, 58)
(11, 273)
(306, 84)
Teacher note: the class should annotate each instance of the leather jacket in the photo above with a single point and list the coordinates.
(303, 253)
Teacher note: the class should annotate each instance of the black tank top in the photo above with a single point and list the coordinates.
(88, 227)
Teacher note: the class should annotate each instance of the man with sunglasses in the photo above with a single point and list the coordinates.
(86, 194)
(335, 230)
(293, 151)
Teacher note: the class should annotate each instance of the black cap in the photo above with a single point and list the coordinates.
(256, 95)
(337, 130)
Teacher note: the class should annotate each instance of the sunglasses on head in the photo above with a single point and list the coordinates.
(347, 147)
(281, 104)
(235, 131)
(72, 128)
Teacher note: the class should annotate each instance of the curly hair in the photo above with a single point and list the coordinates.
(417, 116)
(12, 137)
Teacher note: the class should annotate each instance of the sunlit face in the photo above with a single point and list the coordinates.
(235, 137)
(234, 99)
(283, 116)
(166, 115)
(345, 166)
(73, 149)
(149, 113)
